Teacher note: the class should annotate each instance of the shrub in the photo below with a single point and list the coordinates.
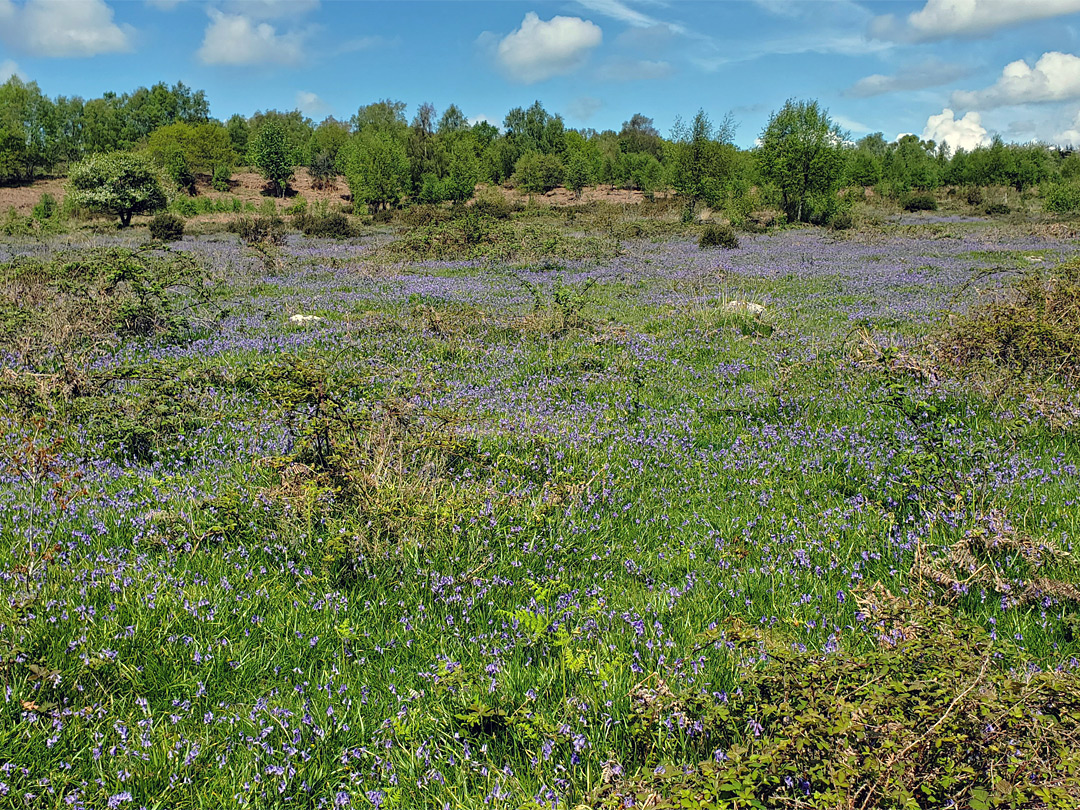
(919, 201)
(537, 173)
(722, 236)
(222, 179)
(1034, 332)
(997, 209)
(974, 195)
(46, 209)
(1062, 198)
(185, 207)
(324, 225)
(259, 229)
(417, 216)
(492, 204)
(166, 227)
(841, 219)
(322, 170)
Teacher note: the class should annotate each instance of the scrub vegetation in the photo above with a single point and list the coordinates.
(465, 499)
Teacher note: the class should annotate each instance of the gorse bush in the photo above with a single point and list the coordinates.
(718, 236)
(324, 224)
(166, 227)
(222, 179)
(919, 201)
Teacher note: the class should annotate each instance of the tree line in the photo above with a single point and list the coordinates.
(799, 162)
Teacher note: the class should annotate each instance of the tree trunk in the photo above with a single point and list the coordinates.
(125, 218)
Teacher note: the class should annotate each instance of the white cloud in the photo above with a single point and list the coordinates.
(310, 104)
(628, 70)
(941, 19)
(541, 49)
(233, 39)
(960, 133)
(1069, 136)
(1055, 77)
(8, 68)
(624, 12)
(930, 73)
(850, 124)
(63, 28)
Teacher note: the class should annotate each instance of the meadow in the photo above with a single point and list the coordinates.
(577, 515)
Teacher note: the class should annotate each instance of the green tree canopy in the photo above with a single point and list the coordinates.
(205, 147)
(378, 172)
(269, 152)
(802, 153)
(118, 183)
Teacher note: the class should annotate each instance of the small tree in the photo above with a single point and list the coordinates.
(378, 173)
(802, 153)
(270, 154)
(464, 171)
(118, 183)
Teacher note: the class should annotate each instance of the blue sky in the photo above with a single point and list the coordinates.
(954, 70)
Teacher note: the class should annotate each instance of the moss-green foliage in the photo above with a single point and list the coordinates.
(1062, 197)
(255, 229)
(269, 152)
(475, 235)
(323, 223)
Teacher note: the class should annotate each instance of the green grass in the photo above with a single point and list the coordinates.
(521, 535)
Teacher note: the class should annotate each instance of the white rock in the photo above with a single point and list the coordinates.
(749, 307)
(298, 318)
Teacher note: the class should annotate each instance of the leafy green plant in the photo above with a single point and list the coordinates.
(166, 227)
(722, 236)
(920, 201)
(259, 229)
(923, 719)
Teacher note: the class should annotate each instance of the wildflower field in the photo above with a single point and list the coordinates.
(624, 522)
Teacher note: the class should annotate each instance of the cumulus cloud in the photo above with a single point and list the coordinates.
(929, 73)
(8, 68)
(540, 49)
(628, 70)
(959, 133)
(1055, 77)
(941, 19)
(310, 104)
(63, 28)
(234, 39)
(1069, 136)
